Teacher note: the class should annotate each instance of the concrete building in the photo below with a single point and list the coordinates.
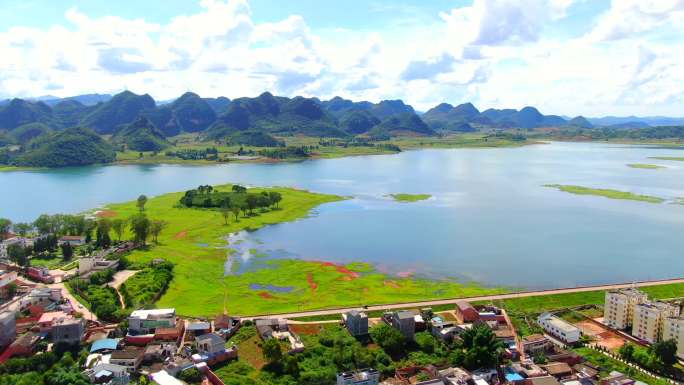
(73, 240)
(618, 311)
(648, 321)
(673, 329)
(356, 322)
(103, 373)
(147, 321)
(87, 265)
(7, 279)
(360, 377)
(210, 343)
(129, 358)
(8, 329)
(465, 312)
(68, 330)
(558, 328)
(405, 322)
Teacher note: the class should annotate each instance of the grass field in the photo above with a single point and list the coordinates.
(645, 166)
(606, 193)
(674, 158)
(410, 197)
(194, 241)
(470, 140)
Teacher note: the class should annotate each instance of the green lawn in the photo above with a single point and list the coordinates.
(197, 288)
(645, 166)
(410, 197)
(607, 193)
(607, 365)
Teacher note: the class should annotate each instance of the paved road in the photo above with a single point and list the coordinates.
(87, 314)
(480, 298)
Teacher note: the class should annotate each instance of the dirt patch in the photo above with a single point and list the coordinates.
(312, 284)
(602, 336)
(590, 328)
(341, 269)
(106, 214)
(307, 329)
(392, 284)
(266, 295)
(181, 234)
(405, 274)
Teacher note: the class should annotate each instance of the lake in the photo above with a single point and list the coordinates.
(490, 219)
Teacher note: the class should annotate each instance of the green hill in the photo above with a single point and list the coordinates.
(69, 112)
(141, 135)
(19, 112)
(27, 132)
(71, 147)
(189, 113)
(358, 122)
(401, 124)
(123, 108)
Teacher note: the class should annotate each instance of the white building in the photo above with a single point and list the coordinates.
(147, 321)
(361, 377)
(673, 329)
(618, 311)
(8, 328)
(648, 321)
(558, 328)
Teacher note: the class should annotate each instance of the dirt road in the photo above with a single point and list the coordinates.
(119, 278)
(87, 314)
(314, 313)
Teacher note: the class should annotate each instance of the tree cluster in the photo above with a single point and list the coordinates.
(233, 202)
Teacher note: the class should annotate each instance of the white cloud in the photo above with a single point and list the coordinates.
(494, 53)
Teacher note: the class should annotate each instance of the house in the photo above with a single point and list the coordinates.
(528, 369)
(542, 380)
(162, 377)
(455, 376)
(73, 240)
(104, 345)
(46, 320)
(465, 312)
(618, 311)
(158, 352)
(405, 322)
(535, 344)
(97, 263)
(445, 331)
(226, 325)
(277, 328)
(617, 378)
(211, 349)
(195, 329)
(68, 330)
(673, 329)
(559, 370)
(24, 345)
(40, 274)
(8, 329)
(147, 321)
(129, 358)
(104, 373)
(648, 323)
(356, 323)
(559, 328)
(7, 281)
(41, 296)
(360, 377)
(9, 240)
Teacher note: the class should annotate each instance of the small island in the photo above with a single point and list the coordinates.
(675, 158)
(646, 166)
(410, 197)
(606, 193)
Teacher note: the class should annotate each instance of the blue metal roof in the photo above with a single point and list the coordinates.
(104, 344)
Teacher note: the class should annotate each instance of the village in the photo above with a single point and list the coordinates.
(39, 314)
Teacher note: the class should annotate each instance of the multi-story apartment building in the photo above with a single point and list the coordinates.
(648, 322)
(673, 329)
(618, 311)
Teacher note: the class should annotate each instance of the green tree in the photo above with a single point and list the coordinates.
(5, 225)
(426, 342)
(191, 376)
(626, 351)
(665, 352)
(225, 213)
(252, 202)
(142, 200)
(156, 227)
(272, 350)
(275, 198)
(102, 238)
(11, 289)
(140, 226)
(482, 349)
(236, 212)
(67, 251)
(239, 189)
(22, 228)
(17, 254)
(118, 225)
(390, 339)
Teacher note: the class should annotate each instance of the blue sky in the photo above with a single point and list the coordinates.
(571, 57)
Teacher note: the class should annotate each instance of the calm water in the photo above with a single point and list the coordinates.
(490, 220)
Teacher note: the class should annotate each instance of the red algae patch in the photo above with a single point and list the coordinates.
(181, 234)
(392, 284)
(341, 269)
(106, 214)
(266, 295)
(312, 284)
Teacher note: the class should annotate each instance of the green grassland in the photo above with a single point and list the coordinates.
(410, 197)
(645, 166)
(606, 193)
(198, 286)
(674, 158)
(469, 140)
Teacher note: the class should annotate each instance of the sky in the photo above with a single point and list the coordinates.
(566, 57)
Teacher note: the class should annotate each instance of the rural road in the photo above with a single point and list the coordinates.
(119, 278)
(403, 305)
(87, 314)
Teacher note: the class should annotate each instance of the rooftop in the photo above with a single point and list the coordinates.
(212, 337)
(52, 316)
(126, 354)
(104, 344)
(558, 323)
(199, 326)
(153, 313)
